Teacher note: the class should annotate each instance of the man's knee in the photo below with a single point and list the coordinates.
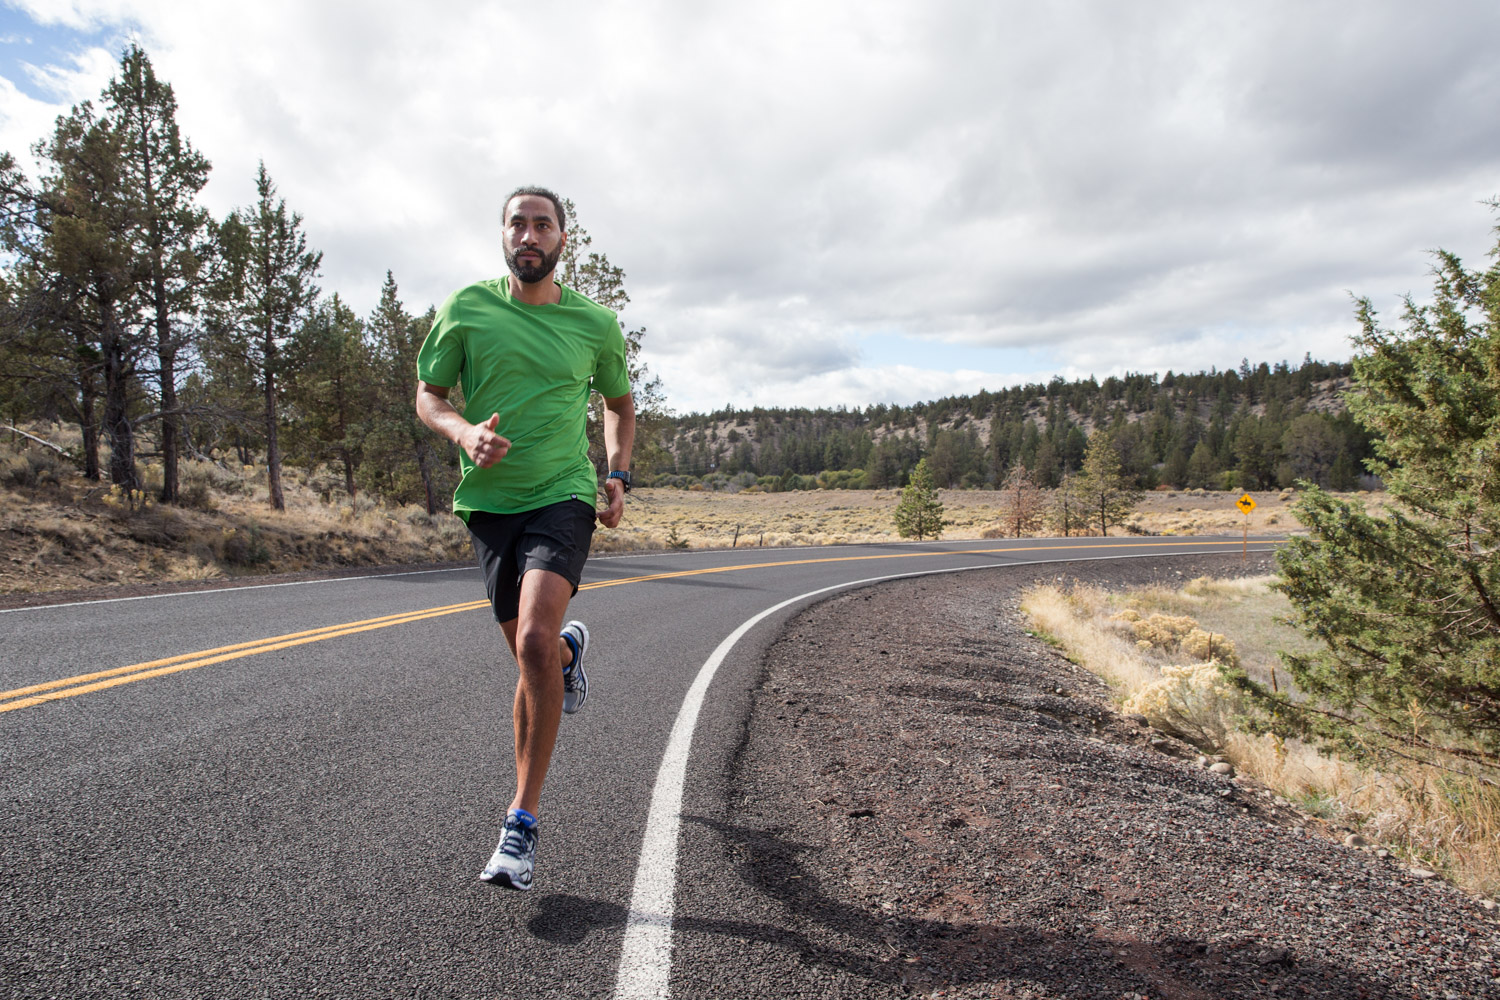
(536, 645)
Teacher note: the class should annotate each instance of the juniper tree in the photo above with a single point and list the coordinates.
(919, 513)
(1102, 487)
(1407, 603)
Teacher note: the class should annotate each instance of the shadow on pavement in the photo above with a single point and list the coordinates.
(904, 951)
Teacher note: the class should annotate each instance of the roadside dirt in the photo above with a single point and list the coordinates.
(931, 802)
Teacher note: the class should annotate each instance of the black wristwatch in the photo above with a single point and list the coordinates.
(623, 475)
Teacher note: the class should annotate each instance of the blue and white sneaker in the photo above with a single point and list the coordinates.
(515, 857)
(575, 681)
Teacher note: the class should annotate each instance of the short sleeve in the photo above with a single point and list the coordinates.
(441, 360)
(611, 378)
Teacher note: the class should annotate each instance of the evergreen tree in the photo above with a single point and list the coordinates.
(1107, 493)
(164, 174)
(1066, 512)
(919, 513)
(1408, 604)
(265, 292)
(334, 390)
(403, 452)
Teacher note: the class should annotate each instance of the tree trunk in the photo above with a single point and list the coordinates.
(117, 372)
(424, 467)
(90, 430)
(166, 353)
(348, 460)
(273, 449)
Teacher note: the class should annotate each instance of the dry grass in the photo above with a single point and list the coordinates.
(65, 533)
(1438, 820)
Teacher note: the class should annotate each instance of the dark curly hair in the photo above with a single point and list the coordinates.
(539, 192)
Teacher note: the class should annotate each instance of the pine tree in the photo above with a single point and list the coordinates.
(164, 174)
(1407, 604)
(264, 293)
(333, 389)
(1106, 492)
(1065, 510)
(919, 514)
(407, 450)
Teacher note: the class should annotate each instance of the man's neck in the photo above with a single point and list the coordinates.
(537, 293)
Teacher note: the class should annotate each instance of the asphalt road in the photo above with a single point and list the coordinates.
(289, 790)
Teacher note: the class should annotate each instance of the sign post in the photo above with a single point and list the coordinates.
(1246, 503)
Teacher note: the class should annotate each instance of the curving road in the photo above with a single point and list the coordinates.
(288, 790)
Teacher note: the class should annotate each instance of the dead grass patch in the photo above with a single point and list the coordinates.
(1438, 820)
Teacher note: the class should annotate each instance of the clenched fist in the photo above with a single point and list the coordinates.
(483, 445)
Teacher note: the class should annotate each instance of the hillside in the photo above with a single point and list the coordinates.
(1257, 427)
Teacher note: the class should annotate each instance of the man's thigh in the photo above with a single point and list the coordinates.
(511, 547)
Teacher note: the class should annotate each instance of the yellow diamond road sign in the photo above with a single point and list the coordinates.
(1245, 503)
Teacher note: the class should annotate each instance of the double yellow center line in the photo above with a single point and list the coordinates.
(68, 687)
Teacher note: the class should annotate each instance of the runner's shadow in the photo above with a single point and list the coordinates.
(566, 920)
(914, 952)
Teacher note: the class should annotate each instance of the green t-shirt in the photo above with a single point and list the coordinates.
(533, 365)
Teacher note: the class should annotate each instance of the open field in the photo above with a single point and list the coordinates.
(61, 532)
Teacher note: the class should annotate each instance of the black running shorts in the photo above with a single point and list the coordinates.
(554, 538)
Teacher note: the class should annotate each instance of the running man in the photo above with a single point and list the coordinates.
(527, 351)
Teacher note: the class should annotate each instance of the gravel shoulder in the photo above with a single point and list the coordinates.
(930, 802)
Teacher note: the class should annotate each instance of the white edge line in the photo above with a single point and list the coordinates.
(645, 968)
(248, 586)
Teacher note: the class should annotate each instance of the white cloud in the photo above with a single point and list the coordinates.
(1113, 187)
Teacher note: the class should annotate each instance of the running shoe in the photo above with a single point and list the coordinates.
(515, 857)
(575, 681)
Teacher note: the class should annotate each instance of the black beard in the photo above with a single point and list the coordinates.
(530, 274)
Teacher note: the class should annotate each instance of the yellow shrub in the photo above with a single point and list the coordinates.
(1191, 700)
(1210, 646)
(1162, 631)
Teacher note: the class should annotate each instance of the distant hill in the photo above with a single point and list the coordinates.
(1247, 428)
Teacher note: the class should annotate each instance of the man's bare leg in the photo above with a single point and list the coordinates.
(540, 653)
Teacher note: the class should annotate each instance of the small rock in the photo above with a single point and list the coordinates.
(1222, 768)
(1355, 840)
(1202, 761)
(1422, 873)
(1488, 904)
(1158, 742)
(1382, 853)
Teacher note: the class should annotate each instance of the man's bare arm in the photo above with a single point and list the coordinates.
(619, 441)
(479, 441)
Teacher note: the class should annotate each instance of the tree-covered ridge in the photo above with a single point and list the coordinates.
(1253, 427)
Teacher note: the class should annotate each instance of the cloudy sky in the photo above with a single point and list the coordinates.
(819, 202)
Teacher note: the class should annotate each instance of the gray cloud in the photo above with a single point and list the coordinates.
(1091, 186)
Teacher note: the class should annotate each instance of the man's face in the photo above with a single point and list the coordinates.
(532, 242)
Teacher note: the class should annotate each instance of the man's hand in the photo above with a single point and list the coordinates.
(483, 445)
(614, 494)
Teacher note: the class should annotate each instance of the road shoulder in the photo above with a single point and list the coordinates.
(929, 802)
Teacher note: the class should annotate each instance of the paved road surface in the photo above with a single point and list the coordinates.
(288, 790)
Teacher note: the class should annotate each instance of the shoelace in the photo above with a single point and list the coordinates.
(517, 841)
